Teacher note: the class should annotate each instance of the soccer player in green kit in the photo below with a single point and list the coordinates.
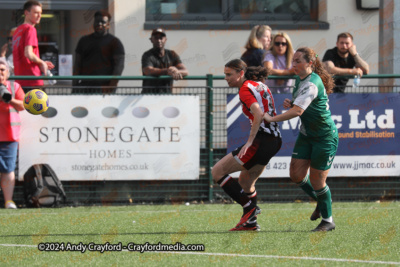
(318, 139)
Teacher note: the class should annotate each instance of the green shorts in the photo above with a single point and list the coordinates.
(320, 150)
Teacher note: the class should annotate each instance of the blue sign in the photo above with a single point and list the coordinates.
(366, 124)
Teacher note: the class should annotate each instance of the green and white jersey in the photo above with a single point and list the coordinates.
(310, 95)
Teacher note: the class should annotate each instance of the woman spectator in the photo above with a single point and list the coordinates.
(11, 101)
(278, 61)
(257, 45)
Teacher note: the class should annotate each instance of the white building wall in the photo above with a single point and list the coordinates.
(396, 41)
(207, 51)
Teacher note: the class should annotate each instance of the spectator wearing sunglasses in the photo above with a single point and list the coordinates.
(7, 48)
(99, 53)
(278, 61)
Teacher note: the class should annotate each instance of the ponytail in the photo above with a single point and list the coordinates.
(258, 74)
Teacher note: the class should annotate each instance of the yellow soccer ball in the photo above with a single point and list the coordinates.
(36, 102)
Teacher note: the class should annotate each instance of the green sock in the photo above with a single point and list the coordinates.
(324, 202)
(307, 187)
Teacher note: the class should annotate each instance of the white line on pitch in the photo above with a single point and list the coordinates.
(280, 257)
(246, 256)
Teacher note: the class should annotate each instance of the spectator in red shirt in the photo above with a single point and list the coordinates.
(26, 48)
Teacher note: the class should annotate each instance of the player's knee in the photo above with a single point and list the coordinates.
(216, 175)
(245, 186)
(295, 176)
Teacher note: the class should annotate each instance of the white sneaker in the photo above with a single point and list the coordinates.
(10, 205)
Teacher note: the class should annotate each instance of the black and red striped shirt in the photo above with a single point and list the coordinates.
(252, 92)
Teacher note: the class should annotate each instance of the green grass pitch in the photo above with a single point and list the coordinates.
(366, 234)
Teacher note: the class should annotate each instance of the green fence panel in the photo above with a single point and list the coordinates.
(213, 138)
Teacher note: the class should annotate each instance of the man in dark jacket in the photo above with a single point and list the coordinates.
(99, 53)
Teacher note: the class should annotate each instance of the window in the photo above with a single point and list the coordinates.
(229, 14)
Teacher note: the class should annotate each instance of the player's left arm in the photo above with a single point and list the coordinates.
(295, 111)
(119, 63)
(360, 63)
(77, 68)
(118, 60)
(182, 69)
(178, 70)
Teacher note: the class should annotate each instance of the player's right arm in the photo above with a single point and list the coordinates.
(330, 67)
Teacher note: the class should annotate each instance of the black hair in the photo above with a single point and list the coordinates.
(29, 4)
(102, 13)
(256, 73)
(237, 64)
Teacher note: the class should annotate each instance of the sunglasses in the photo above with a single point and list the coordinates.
(100, 21)
(9, 38)
(280, 43)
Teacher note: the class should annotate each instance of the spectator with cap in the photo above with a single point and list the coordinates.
(159, 61)
(99, 53)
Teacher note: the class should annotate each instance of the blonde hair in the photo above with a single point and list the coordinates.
(289, 48)
(256, 33)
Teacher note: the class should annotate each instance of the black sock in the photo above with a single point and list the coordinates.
(253, 197)
(235, 191)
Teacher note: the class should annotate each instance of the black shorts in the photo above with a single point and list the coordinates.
(264, 147)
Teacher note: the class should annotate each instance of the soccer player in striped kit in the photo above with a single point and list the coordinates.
(263, 143)
(318, 140)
